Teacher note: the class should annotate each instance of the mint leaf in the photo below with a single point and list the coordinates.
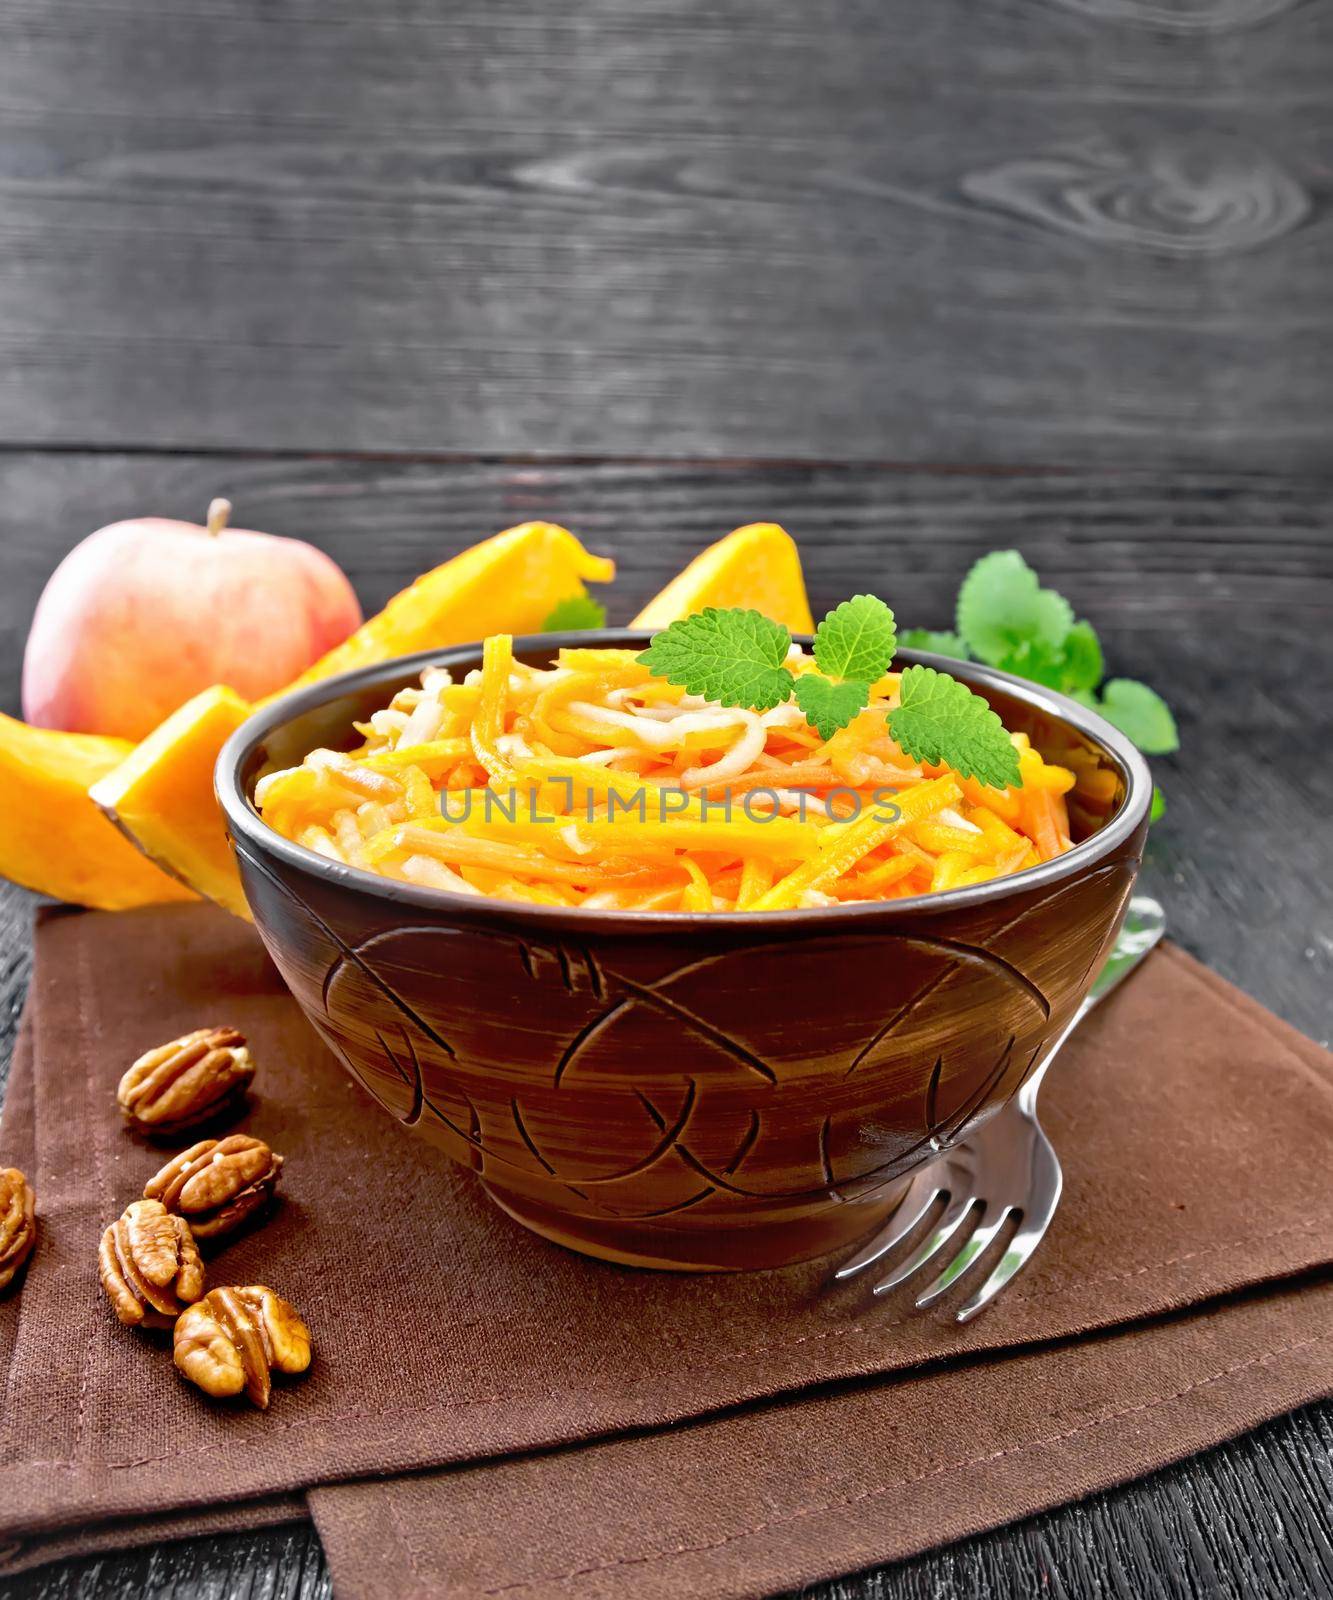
(1074, 667)
(943, 644)
(829, 706)
(734, 657)
(1001, 607)
(856, 640)
(1035, 661)
(1083, 665)
(1141, 713)
(940, 719)
(575, 612)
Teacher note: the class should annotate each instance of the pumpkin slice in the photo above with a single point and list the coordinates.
(53, 838)
(756, 566)
(508, 584)
(162, 796)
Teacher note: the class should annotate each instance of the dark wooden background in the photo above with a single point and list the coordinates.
(918, 278)
(932, 230)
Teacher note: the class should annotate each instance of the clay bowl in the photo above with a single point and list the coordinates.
(707, 1091)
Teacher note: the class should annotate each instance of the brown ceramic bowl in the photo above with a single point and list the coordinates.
(721, 1090)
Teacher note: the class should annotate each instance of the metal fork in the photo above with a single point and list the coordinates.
(1006, 1167)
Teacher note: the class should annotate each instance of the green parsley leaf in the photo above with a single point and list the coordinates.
(734, 657)
(940, 719)
(856, 640)
(575, 612)
(943, 644)
(1001, 607)
(1158, 804)
(1141, 713)
(829, 706)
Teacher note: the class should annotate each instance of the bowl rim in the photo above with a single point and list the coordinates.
(245, 823)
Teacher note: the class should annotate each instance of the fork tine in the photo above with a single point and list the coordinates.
(1015, 1258)
(923, 1192)
(976, 1245)
(954, 1215)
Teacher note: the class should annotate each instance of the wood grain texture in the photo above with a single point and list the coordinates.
(1027, 230)
(1217, 587)
(277, 1564)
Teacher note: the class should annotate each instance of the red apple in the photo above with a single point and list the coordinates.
(144, 614)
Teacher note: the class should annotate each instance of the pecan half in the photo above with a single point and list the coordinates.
(231, 1340)
(18, 1223)
(149, 1265)
(186, 1082)
(217, 1184)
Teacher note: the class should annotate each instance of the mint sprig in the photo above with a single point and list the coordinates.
(1006, 619)
(853, 647)
(738, 658)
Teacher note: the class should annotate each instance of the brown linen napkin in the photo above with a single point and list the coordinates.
(799, 1491)
(445, 1334)
(18, 1136)
(18, 1149)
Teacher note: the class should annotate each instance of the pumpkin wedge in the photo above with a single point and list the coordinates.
(53, 838)
(756, 566)
(162, 795)
(508, 584)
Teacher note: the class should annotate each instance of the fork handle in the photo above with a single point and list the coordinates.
(1144, 925)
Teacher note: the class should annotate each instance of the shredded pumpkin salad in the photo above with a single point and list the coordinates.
(593, 783)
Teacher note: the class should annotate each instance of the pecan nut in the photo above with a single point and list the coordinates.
(18, 1223)
(189, 1081)
(217, 1184)
(149, 1265)
(233, 1338)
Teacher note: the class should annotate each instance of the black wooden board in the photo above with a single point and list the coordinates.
(930, 230)
(1217, 587)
